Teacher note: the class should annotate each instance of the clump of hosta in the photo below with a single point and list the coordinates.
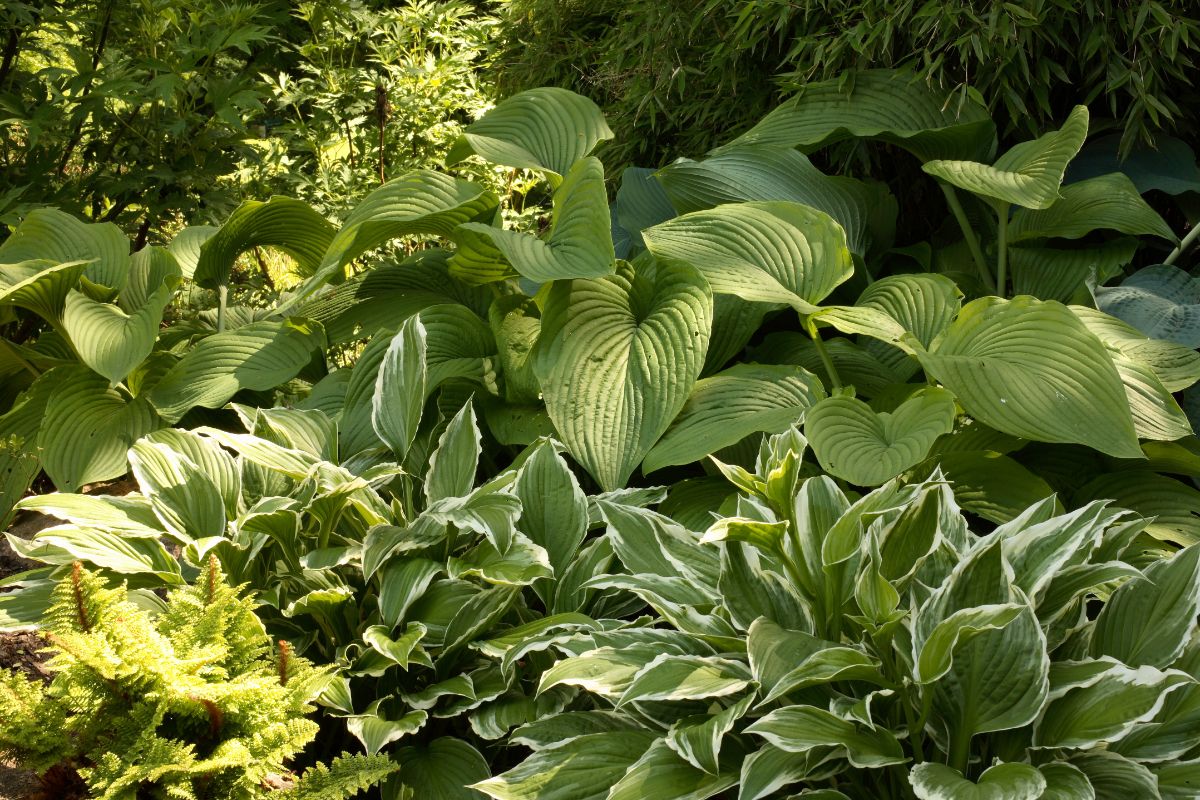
(876, 647)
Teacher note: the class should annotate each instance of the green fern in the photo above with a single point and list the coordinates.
(190, 705)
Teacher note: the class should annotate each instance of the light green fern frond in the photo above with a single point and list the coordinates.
(344, 777)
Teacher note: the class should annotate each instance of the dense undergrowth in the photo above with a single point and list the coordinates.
(724, 484)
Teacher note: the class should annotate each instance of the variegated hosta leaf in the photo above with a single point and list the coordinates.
(547, 129)
(258, 356)
(107, 339)
(583, 768)
(52, 235)
(853, 442)
(1028, 175)
(891, 105)
(453, 464)
(1162, 302)
(731, 405)
(553, 506)
(40, 286)
(798, 729)
(1109, 202)
(1032, 369)
(931, 781)
(283, 222)
(770, 252)
(617, 359)
(579, 245)
(661, 772)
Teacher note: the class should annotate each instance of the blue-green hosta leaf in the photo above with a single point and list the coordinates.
(770, 252)
(40, 286)
(1172, 506)
(553, 506)
(400, 388)
(617, 359)
(1108, 202)
(1032, 369)
(1051, 273)
(259, 356)
(1177, 366)
(674, 677)
(1096, 702)
(107, 339)
(545, 129)
(662, 773)
(186, 500)
(376, 731)
(1028, 175)
(52, 235)
(283, 222)
(799, 729)
(1149, 620)
(88, 427)
(441, 770)
(891, 105)
(931, 781)
(698, 739)
(1162, 302)
(866, 211)
(579, 245)
(729, 406)
(856, 365)
(583, 768)
(853, 442)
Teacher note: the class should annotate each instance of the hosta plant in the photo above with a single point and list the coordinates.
(194, 701)
(825, 645)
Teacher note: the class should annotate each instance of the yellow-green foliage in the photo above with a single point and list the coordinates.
(192, 703)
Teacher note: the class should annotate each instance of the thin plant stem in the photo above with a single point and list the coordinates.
(969, 235)
(835, 380)
(1002, 250)
(1184, 246)
(222, 300)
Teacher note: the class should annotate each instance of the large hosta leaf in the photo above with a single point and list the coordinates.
(798, 729)
(1156, 415)
(853, 442)
(441, 770)
(40, 286)
(893, 106)
(284, 222)
(88, 427)
(921, 305)
(1173, 507)
(581, 768)
(258, 356)
(1160, 301)
(731, 405)
(866, 211)
(773, 252)
(107, 339)
(1028, 175)
(546, 129)
(579, 246)
(662, 773)
(617, 360)
(1053, 273)
(1032, 369)
(52, 235)
(400, 388)
(932, 781)
(641, 202)
(1109, 202)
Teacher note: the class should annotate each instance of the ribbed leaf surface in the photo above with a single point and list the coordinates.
(1160, 301)
(40, 286)
(1109, 202)
(53, 235)
(283, 222)
(107, 339)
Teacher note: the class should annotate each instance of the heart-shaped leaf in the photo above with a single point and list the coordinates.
(932, 781)
(107, 339)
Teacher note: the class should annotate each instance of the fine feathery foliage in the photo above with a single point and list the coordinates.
(191, 702)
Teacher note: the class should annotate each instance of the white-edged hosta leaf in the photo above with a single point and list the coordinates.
(452, 465)
(400, 388)
(520, 565)
(1108, 202)
(937, 653)
(38, 285)
(1028, 175)
(547, 129)
(308, 430)
(606, 671)
(770, 252)
(556, 729)
(106, 549)
(441, 770)
(617, 359)
(52, 235)
(283, 222)
(892, 105)
(1065, 781)
(1177, 366)
(853, 442)
(1161, 301)
(579, 244)
(88, 427)
(258, 356)
(826, 666)
(186, 500)
(1172, 506)
(727, 407)
(662, 773)
(1030, 368)
(401, 582)
(697, 739)
(768, 769)
(798, 729)
(932, 781)
(553, 506)
(675, 677)
(1148, 621)
(583, 768)
(210, 459)
(398, 650)
(130, 514)
(107, 339)
(376, 731)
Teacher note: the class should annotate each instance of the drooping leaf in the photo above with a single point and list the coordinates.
(798, 729)
(932, 781)
(1108, 202)
(583, 768)
(40, 286)
(107, 339)
(661, 772)
(51, 235)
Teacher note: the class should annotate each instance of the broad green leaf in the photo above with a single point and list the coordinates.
(130, 514)
(892, 105)
(1168, 166)
(1032, 369)
(727, 407)
(377, 732)
(516, 323)
(1177, 366)
(452, 465)
(1028, 175)
(258, 356)
(458, 344)
(185, 499)
(1065, 782)
(149, 269)
(579, 245)
(856, 365)
(1148, 621)
(931, 781)
(107, 339)
(553, 507)
(213, 461)
(478, 614)
(798, 729)
(545, 129)
(1173, 507)
(989, 484)
(40, 286)
(923, 305)
(400, 388)
(853, 442)
(186, 245)
(698, 739)
(1161, 301)
(673, 677)
(282, 222)
(583, 768)
(88, 427)
(1179, 780)
(771, 252)
(440, 770)
(1156, 414)
(606, 671)
(641, 202)
(617, 359)
(1108, 202)
(51, 235)
(937, 654)
(1053, 273)
(308, 430)
(1114, 777)
(662, 773)
(105, 549)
